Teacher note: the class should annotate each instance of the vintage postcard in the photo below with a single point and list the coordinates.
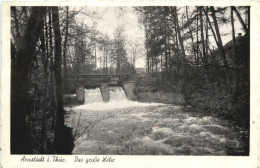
(130, 84)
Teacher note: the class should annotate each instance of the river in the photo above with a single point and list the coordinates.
(123, 127)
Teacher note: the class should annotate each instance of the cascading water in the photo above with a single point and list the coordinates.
(118, 100)
(92, 96)
(117, 93)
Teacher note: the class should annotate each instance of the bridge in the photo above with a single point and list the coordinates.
(78, 82)
(94, 80)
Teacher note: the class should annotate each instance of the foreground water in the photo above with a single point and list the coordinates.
(126, 127)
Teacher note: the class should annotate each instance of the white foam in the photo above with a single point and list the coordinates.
(158, 145)
(166, 131)
(111, 105)
(139, 116)
(92, 95)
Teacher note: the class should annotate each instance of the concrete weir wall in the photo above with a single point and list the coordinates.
(129, 88)
(80, 94)
(104, 88)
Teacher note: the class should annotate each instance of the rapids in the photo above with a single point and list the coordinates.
(123, 127)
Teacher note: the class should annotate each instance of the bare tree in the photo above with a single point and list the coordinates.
(59, 125)
(65, 46)
(205, 59)
(240, 19)
(220, 44)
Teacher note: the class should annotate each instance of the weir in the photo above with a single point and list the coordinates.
(80, 82)
(105, 91)
(95, 96)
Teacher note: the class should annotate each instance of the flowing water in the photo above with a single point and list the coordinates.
(123, 127)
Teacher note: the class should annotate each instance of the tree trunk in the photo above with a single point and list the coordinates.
(191, 36)
(13, 8)
(106, 60)
(233, 38)
(234, 57)
(65, 48)
(175, 40)
(20, 82)
(203, 46)
(53, 87)
(207, 37)
(152, 64)
(177, 37)
(165, 52)
(240, 19)
(213, 32)
(45, 104)
(220, 45)
(207, 47)
(156, 66)
(197, 35)
(59, 125)
(169, 53)
(161, 62)
(147, 60)
(179, 32)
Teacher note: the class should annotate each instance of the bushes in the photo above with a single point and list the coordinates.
(210, 100)
(216, 99)
(157, 88)
(161, 97)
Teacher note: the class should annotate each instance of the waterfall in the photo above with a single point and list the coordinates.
(117, 93)
(94, 95)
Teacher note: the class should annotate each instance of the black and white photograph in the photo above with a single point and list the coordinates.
(163, 80)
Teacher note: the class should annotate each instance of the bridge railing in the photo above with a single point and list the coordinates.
(98, 75)
(98, 78)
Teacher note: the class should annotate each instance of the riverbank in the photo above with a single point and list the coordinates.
(153, 89)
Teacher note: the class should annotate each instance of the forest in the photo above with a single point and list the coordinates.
(183, 49)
